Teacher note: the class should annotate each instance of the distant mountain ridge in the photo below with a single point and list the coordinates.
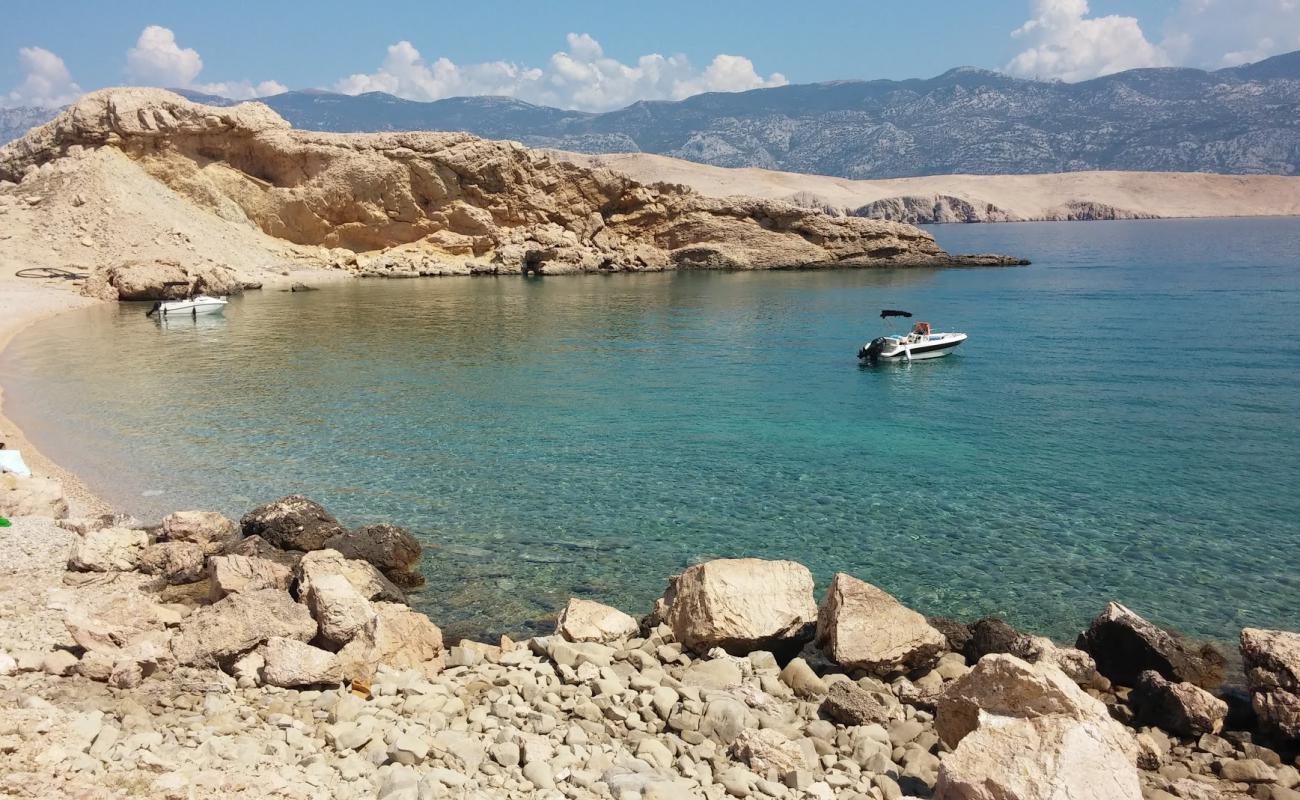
(1241, 120)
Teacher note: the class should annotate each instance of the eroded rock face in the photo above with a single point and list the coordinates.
(588, 621)
(390, 548)
(31, 497)
(743, 604)
(1272, 662)
(1180, 708)
(108, 550)
(1006, 686)
(397, 637)
(1041, 758)
(1125, 645)
(292, 523)
(862, 627)
(174, 562)
(444, 203)
(237, 573)
(237, 623)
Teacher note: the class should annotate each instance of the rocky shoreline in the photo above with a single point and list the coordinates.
(276, 657)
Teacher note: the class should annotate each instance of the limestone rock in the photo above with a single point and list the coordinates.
(861, 627)
(391, 549)
(768, 749)
(31, 497)
(1004, 685)
(742, 605)
(290, 663)
(235, 573)
(397, 637)
(208, 529)
(1180, 708)
(588, 621)
(108, 550)
(992, 635)
(367, 580)
(340, 610)
(174, 562)
(850, 704)
(1125, 645)
(1272, 662)
(216, 634)
(163, 279)
(292, 523)
(1040, 758)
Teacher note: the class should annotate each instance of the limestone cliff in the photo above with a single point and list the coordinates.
(443, 203)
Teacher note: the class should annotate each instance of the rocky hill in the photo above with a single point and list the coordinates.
(1241, 120)
(412, 203)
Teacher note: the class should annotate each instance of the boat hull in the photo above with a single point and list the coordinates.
(938, 346)
(191, 309)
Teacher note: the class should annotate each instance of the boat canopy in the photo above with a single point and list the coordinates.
(889, 312)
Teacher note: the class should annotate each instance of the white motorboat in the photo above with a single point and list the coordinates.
(189, 307)
(920, 343)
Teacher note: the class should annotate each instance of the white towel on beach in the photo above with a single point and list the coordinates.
(12, 461)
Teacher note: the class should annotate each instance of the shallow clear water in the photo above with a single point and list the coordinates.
(1123, 423)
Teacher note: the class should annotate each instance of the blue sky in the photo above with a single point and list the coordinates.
(537, 50)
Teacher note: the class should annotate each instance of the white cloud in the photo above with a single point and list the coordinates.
(581, 76)
(157, 60)
(1225, 33)
(1064, 43)
(46, 81)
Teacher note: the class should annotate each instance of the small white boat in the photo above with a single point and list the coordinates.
(920, 343)
(189, 307)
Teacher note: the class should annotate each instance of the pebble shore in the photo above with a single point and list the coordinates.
(105, 691)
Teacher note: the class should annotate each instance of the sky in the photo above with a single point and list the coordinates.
(597, 56)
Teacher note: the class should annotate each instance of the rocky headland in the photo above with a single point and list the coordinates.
(130, 178)
(275, 656)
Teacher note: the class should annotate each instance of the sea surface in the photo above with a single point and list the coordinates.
(1124, 422)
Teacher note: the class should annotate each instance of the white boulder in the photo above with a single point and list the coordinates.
(588, 621)
(742, 605)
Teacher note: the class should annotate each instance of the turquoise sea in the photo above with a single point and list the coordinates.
(1124, 422)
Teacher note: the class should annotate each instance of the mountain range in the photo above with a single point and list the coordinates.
(1241, 120)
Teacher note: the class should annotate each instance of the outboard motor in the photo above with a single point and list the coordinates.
(156, 305)
(870, 352)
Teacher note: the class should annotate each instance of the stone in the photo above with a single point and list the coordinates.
(291, 663)
(208, 529)
(1007, 686)
(540, 774)
(1124, 645)
(31, 497)
(1247, 770)
(340, 610)
(409, 748)
(1040, 758)
(460, 750)
(217, 634)
(58, 662)
(957, 633)
(108, 550)
(174, 562)
(1180, 708)
(718, 673)
(850, 704)
(768, 749)
(292, 523)
(506, 754)
(742, 605)
(389, 548)
(588, 621)
(231, 574)
(724, 718)
(862, 627)
(369, 582)
(803, 680)
(1272, 663)
(397, 637)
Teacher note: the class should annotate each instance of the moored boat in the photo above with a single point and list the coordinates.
(191, 306)
(921, 342)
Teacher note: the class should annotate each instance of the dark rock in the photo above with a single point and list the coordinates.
(850, 704)
(957, 633)
(992, 635)
(391, 549)
(292, 523)
(1125, 645)
(301, 287)
(174, 562)
(1179, 708)
(257, 547)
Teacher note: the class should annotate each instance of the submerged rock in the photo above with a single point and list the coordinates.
(1272, 661)
(862, 627)
(1124, 645)
(292, 523)
(743, 604)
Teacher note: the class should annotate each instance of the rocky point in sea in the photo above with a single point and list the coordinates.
(276, 657)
